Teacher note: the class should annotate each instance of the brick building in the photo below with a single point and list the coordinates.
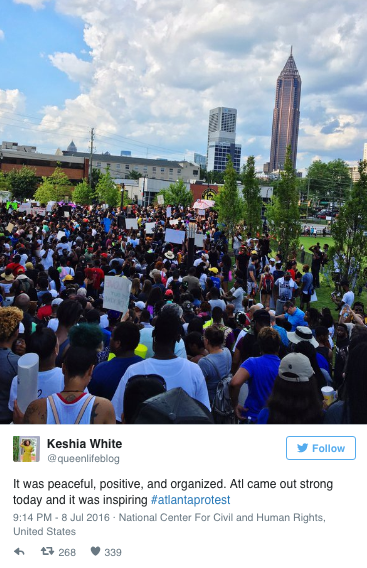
(15, 157)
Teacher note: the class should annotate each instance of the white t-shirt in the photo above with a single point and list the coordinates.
(104, 321)
(53, 324)
(47, 261)
(146, 338)
(348, 298)
(177, 372)
(49, 382)
(237, 299)
(169, 280)
(240, 335)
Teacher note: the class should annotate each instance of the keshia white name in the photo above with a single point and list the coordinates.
(93, 443)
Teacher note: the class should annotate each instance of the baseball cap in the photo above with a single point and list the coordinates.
(56, 302)
(113, 314)
(214, 270)
(295, 368)
(168, 293)
(272, 260)
(187, 306)
(140, 305)
(68, 277)
(261, 315)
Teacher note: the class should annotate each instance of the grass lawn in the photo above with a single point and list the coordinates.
(307, 242)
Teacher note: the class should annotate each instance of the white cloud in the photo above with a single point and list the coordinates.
(35, 4)
(76, 69)
(157, 67)
(2, 35)
(10, 101)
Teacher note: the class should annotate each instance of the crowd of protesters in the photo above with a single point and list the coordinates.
(235, 316)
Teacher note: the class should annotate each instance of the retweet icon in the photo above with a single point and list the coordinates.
(302, 448)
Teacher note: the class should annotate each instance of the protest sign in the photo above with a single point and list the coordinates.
(131, 224)
(174, 222)
(116, 293)
(10, 227)
(168, 212)
(199, 240)
(160, 199)
(149, 228)
(201, 212)
(173, 236)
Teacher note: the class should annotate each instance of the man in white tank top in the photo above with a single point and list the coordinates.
(73, 405)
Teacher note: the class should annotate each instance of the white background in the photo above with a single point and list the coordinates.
(193, 453)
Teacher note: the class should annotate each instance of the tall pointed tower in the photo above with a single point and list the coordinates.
(286, 115)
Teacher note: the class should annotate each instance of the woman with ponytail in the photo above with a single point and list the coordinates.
(50, 378)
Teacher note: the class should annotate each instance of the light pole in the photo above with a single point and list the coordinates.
(191, 244)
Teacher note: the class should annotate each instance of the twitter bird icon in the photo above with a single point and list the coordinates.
(302, 448)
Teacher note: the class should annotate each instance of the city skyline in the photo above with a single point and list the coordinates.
(145, 78)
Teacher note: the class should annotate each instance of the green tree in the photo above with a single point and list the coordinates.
(45, 192)
(107, 190)
(134, 174)
(252, 197)
(328, 182)
(283, 212)
(214, 177)
(83, 193)
(177, 194)
(56, 187)
(229, 203)
(4, 183)
(96, 176)
(23, 182)
(349, 230)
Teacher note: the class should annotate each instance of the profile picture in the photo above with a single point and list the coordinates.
(26, 448)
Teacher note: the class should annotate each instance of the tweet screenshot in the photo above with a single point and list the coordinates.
(112, 492)
(183, 283)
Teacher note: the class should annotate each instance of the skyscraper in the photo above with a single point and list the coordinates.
(222, 140)
(285, 116)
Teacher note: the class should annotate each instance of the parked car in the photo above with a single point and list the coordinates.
(326, 213)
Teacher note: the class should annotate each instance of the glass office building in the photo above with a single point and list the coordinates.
(222, 139)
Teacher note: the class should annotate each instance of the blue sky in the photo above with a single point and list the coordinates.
(145, 73)
(24, 51)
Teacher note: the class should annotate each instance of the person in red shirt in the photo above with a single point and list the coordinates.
(45, 311)
(95, 275)
(15, 266)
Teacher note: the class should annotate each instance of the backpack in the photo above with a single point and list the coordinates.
(222, 408)
(24, 285)
(268, 283)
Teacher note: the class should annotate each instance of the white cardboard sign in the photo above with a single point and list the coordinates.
(173, 236)
(168, 212)
(131, 224)
(160, 199)
(116, 293)
(199, 240)
(174, 222)
(149, 228)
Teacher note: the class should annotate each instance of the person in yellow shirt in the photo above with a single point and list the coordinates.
(28, 449)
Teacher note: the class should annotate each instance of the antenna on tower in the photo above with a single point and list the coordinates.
(291, 49)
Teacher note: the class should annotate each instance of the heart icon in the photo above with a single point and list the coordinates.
(95, 550)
